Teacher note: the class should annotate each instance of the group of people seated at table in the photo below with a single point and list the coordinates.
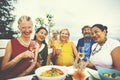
(23, 54)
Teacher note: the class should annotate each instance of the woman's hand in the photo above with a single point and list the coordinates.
(39, 63)
(28, 54)
(58, 51)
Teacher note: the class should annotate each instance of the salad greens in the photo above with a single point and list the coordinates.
(112, 75)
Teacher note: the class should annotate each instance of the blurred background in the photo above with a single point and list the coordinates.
(58, 14)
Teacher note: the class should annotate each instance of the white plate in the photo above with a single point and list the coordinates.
(45, 68)
(71, 70)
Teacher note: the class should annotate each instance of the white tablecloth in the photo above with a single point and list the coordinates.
(70, 71)
(29, 77)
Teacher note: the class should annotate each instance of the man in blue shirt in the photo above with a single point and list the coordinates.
(84, 44)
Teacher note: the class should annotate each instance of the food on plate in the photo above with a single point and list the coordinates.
(79, 75)
(112, 75)
(53, 72)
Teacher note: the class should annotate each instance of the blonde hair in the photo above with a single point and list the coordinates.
(67, 31)
(24, 18)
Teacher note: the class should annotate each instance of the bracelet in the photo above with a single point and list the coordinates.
(20, 56)
(13, 61)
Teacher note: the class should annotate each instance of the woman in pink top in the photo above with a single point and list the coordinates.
(21, 53)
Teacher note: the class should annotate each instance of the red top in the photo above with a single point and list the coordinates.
(20, 67)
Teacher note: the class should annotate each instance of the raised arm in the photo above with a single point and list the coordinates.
(7, 63)
(33, 65)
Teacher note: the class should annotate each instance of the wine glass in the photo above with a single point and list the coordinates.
(81, 52)
(84, 64)
(40, 57)
(50, 50)
(81, 56)
(78, 65)
(32, 48)
(58, 51)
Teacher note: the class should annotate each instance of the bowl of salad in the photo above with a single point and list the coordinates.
(109, 74)
(51, 72)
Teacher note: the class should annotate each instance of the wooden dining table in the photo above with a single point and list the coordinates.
(70, 69)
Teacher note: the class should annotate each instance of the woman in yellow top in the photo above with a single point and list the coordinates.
(64, 51)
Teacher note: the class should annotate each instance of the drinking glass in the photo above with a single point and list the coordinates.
(32, 48)
(40, 58)
(81, 56)
(58, 50)
(81, 64)
(50, 50)
(39, 61)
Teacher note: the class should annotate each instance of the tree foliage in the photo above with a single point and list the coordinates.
(50, 23)
(6, 19)
(41, 22)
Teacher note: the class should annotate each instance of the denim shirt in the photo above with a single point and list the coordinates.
(86, 50)
(85, 47)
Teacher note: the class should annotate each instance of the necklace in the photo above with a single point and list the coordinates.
(95, 50)
(24, 43)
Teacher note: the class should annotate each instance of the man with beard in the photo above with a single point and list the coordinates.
(84, 44)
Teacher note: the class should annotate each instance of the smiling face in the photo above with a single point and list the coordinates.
(64, 35)
(98, 35)
(41, 35)
(25, 28)
(87, 32)
(55, 34)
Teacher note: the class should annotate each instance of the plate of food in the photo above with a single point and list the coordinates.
(51, 72)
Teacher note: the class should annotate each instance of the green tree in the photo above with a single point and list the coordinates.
(50, 23)
(41, 22)
(6, 19)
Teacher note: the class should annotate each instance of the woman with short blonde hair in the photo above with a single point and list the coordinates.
(21, 53)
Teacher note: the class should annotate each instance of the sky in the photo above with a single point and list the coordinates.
(74, 14)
